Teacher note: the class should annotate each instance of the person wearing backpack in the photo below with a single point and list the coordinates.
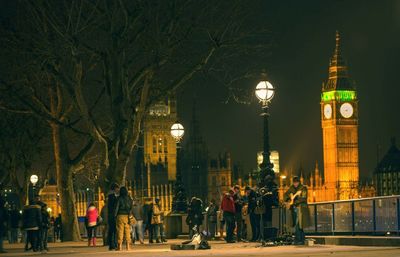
(122, 213)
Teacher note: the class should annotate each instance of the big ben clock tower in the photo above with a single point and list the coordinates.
(339, 116)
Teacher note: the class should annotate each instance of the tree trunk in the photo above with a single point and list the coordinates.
(70, 226)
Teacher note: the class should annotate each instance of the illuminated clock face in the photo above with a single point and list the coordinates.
(328, 111)
(346, 110)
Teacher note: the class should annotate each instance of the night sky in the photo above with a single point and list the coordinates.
(304, 35)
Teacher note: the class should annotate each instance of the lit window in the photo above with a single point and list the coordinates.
(165, 145)
(160, 142)
(154, 144)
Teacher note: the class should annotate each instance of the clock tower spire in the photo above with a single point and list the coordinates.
(339, 119)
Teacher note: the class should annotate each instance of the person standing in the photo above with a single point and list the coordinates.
(122, 212)
(112, 225)
(44, 228)
(15, 219)
(91, 218)
(32, 221)
(58, 228)
(195, 216)
(147, 217)
(156, 220)
(3, 220)
(254, 217)
(212, 212)
(228, 208)
(137, 228)
(300, 215)
(237, 198)
(104, 224)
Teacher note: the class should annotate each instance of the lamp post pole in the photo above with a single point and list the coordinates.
(179, 201)
(267, 186)
(266, 165)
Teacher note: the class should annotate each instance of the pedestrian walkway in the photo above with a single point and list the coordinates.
(219, 248)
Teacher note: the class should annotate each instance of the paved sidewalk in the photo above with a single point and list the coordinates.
(219, 248)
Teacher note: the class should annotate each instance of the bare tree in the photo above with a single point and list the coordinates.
(103, 63)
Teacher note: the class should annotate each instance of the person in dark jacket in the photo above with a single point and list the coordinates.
(147, 217)
(32, 222)
(112, 225)
(122, 212)
(44, 227)
(58, 228)
(15, 219)
(228, 207)
(195, 215)
(254, 217)
(212, 214)
(238, 199)
(3, 220)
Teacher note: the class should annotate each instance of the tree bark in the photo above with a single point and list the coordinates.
(63, 165)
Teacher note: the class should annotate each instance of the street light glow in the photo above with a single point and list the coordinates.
(34, 179)
(177, 131)
(265, 91)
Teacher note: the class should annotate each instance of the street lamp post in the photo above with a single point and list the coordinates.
(33, 179)
(179, 201)
(267, 186)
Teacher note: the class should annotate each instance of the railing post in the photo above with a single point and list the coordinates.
(333, 219)
(315, 218)
(398, 216)
(374, 215)
(353, 227)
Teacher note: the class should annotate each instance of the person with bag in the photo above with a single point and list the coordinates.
(91, 223)
(124, 218)
(253, 215)
(137, 228)
(32, 221)
(156, 220)
(212, 210)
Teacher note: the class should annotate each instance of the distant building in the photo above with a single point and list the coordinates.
(387, 172)
(219, 176)
(155, 162)
(339, 121)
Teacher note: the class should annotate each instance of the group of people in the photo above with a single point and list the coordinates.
(34, 222)
(235, 207)
(125, 220)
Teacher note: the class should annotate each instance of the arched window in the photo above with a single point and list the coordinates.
(165, 145)
(154, 144)
(160, 143)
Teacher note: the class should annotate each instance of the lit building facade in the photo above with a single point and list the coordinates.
(339, 119)
(219, 177)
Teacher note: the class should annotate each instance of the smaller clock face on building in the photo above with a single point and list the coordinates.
(327, 111)
(346, 110)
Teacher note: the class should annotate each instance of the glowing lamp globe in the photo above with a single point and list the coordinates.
(265, 91)
(34, 179)
(177, 131)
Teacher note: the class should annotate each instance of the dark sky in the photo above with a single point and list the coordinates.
(304, 32)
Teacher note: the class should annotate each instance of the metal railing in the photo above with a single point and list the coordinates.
(372, 216)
